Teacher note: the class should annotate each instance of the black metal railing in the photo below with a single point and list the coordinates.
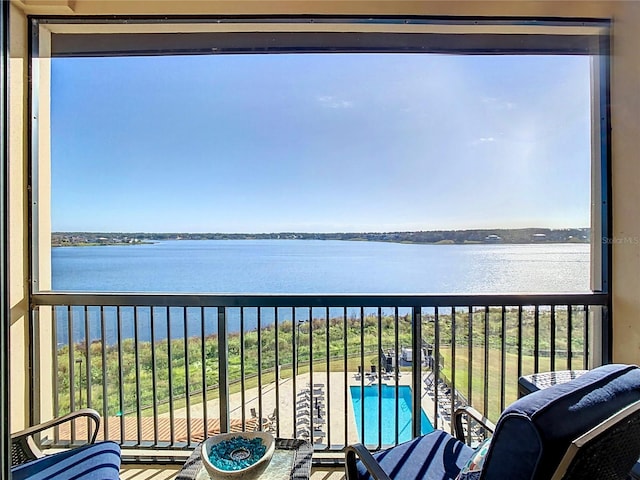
(166, 371)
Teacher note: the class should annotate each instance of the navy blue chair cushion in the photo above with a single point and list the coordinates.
(435, 456)
(100, 461)
(534, 432)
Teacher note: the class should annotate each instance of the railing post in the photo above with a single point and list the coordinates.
(5, 313)
(416, 389)
(34, 367)
(607, 335)
(223, 363)
(597, 336)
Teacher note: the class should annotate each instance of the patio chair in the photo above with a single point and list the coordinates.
(263, 424)
(99, 461)
(306, 421)
(588, 428)
(428, 381)
(315, 413)
(274, 416)
(306, 394)
(305, 404)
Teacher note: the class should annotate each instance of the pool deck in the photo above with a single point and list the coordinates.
(331, 391)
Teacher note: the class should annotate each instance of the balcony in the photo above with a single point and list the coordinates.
(284, 363)
(27, 383)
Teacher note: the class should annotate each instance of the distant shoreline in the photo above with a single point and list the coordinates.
(434, 237)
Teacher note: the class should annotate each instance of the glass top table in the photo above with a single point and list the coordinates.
(538, 381)
(291, 461)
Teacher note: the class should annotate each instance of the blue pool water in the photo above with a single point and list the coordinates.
(388, 403)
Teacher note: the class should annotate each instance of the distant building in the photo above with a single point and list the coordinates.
(407, 355)
(539, 237)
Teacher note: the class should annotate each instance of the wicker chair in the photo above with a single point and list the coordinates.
(91, 461)
(604, 451)
(588, 428)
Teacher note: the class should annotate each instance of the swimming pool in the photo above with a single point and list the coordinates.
(388, 402)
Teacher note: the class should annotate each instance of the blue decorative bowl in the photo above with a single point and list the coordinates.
(227, 456)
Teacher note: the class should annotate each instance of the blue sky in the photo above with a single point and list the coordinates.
(321, 142)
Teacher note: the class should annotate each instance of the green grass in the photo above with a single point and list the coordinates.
(494, 373)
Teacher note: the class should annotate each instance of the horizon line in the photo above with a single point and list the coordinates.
(322, 233)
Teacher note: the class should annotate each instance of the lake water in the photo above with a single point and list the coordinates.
(302, 266)
(310, 266)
